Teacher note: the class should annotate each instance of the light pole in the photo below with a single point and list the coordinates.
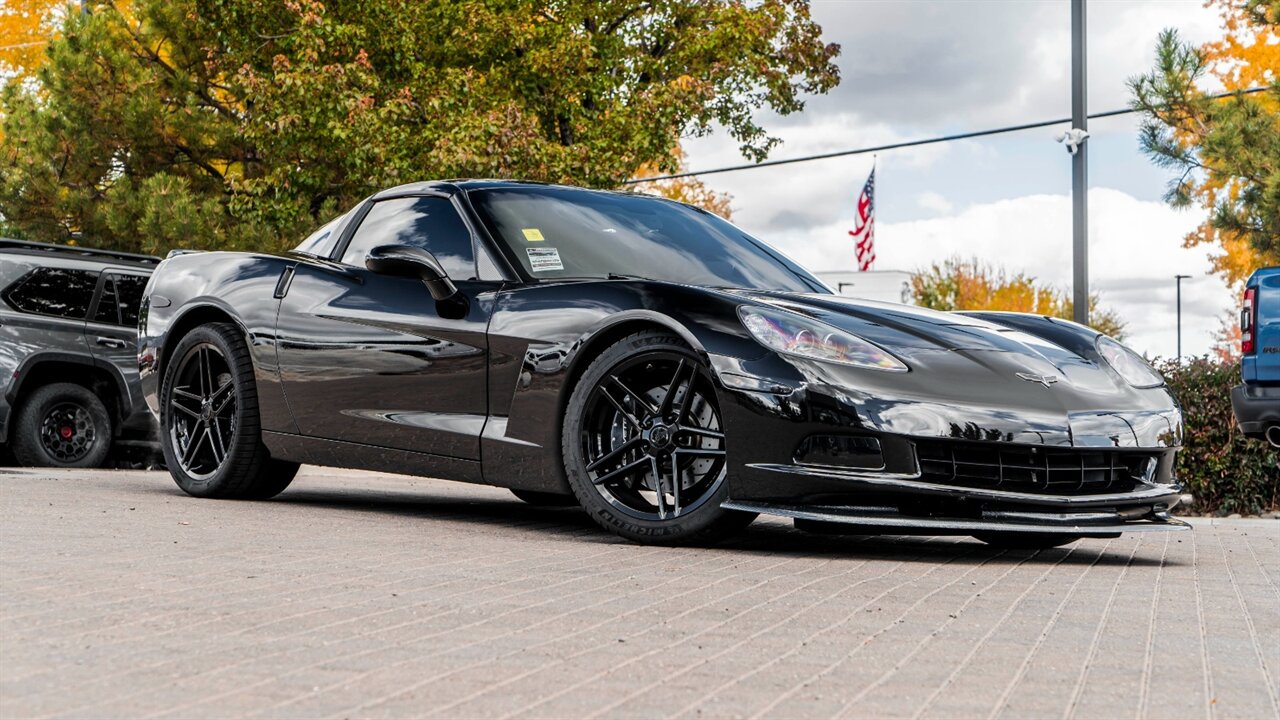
(1179, 279)
(1079, 169)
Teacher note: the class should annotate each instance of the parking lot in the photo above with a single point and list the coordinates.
(363, 595)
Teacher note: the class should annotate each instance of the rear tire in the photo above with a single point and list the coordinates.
(644, 447)
(62, 425)
(209, 424)
(545, 499)
(1026, 540)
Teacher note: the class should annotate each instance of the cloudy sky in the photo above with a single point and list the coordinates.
(921, 69)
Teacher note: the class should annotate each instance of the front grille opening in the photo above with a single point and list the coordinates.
(1076, 471)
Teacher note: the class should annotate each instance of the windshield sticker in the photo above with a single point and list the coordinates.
(544, 259)
(533, 234)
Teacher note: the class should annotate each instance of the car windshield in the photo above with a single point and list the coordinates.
(558, 232)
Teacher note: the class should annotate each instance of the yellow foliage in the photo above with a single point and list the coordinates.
(958, 284)
(689, 190)
(25, 28)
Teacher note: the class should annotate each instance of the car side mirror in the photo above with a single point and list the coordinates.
(410, 261)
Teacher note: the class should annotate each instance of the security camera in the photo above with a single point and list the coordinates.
(1073, 139)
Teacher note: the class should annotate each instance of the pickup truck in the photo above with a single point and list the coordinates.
(1257, 400)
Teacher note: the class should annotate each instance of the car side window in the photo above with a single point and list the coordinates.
(320, 243)
(108, 309)
(52, 291)
(121, 299)
(430, 223)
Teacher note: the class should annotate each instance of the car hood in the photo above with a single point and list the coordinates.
(989, 379)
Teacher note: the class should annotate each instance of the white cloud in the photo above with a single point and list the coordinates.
(934, 202)
(1135, 250)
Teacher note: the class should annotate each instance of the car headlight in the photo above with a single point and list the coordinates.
(804, 337)
(1128, 364)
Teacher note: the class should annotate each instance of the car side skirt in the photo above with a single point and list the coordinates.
(337, 453)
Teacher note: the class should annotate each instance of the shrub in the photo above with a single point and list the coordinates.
(1224, 470)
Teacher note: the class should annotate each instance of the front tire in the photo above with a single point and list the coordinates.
(644, 446)
(209, 423)
(62, 425)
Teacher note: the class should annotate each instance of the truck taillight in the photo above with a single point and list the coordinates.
(1248, 319)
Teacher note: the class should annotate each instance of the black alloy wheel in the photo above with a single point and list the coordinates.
(652, 437)
(209, 416)
(62, 425)
(645, 446)
(67, 432)
(202, 411)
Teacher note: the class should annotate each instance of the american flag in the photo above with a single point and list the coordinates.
(864, 235)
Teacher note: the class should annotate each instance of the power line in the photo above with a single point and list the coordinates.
(25, 44)
(911, 143)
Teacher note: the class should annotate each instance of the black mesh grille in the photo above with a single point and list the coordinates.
(1080, 471)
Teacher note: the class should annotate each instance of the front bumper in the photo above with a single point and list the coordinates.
(907, 504)
(1256, 408)
(890, 520)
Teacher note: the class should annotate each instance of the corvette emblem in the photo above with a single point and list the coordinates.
(1045, 380)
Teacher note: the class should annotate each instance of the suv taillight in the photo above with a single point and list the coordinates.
(1248, 319)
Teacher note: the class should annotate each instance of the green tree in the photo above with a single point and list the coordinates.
(957, 284)
(1226, 151)
(243, 123)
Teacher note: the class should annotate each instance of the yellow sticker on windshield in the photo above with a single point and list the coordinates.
(533, 234)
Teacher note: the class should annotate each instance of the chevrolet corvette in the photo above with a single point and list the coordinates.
(649, 362)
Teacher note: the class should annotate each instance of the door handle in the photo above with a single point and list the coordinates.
(109, 342)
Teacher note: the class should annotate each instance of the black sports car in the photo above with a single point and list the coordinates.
(650, 362)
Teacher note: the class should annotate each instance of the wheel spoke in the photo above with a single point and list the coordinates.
(215, 442)
(179, 406)
(202, 370)
(193, 442)
(657, 487)
(621, 472)
(219, 406)
(635, 397)
(675, 484)
(704, 432)
(186, 395)
(668, 399)
(626, 414)
(611, 457)
(702, 452)
(217, 394)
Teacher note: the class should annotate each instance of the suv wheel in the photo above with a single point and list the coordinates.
(62, 425)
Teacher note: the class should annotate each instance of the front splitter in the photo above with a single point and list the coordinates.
(884, 520)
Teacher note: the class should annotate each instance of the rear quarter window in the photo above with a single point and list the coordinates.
(57, 292)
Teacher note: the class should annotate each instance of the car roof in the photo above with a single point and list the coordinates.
(452, 186)
(1260, 273)
(76, 256)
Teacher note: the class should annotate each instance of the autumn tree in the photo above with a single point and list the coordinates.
(243, 123)
(689, 189)
(957, 284)
(1226, 152)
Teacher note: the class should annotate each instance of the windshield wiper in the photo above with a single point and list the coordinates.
(621, 276)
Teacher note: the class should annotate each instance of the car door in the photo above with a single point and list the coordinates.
(373, 359)
(43, 315)
(112, 327)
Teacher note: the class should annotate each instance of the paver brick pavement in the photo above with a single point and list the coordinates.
(366, 595)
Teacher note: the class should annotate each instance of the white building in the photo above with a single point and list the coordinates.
(883, 285)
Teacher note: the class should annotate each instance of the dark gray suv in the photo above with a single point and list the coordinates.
(68, 353)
